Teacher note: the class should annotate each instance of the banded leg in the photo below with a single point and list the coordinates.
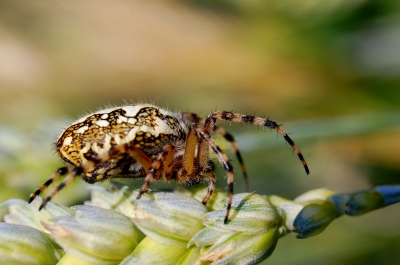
(203, 133)
(209, 174)
(70, 177)
(236, 117)
(135, 152)
(164, 158)
(210, 189)
(60, 172)
(229, 137)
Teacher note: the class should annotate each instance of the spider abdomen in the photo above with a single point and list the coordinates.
(143, 126)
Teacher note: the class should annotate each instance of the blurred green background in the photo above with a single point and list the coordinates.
(328, 70)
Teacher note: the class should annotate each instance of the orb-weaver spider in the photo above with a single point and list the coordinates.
(145, 141)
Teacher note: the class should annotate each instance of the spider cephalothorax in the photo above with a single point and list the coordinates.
(144, 141)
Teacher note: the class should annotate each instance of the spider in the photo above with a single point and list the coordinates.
(145, 141)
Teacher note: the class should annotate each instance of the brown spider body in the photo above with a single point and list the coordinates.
(144, 141)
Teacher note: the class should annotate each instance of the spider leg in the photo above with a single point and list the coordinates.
(189, 155)
(237, 117)
(223, 159)
(211, 185)
(169, 152)
(210, 189)
(193, 117)
(60, 172)
(166, 158)
(149, 166)
(70, 177)
(133, 151)
(229, 137)
(205, 165)
(202, 156)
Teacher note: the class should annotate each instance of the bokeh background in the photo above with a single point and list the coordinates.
(328, 70)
